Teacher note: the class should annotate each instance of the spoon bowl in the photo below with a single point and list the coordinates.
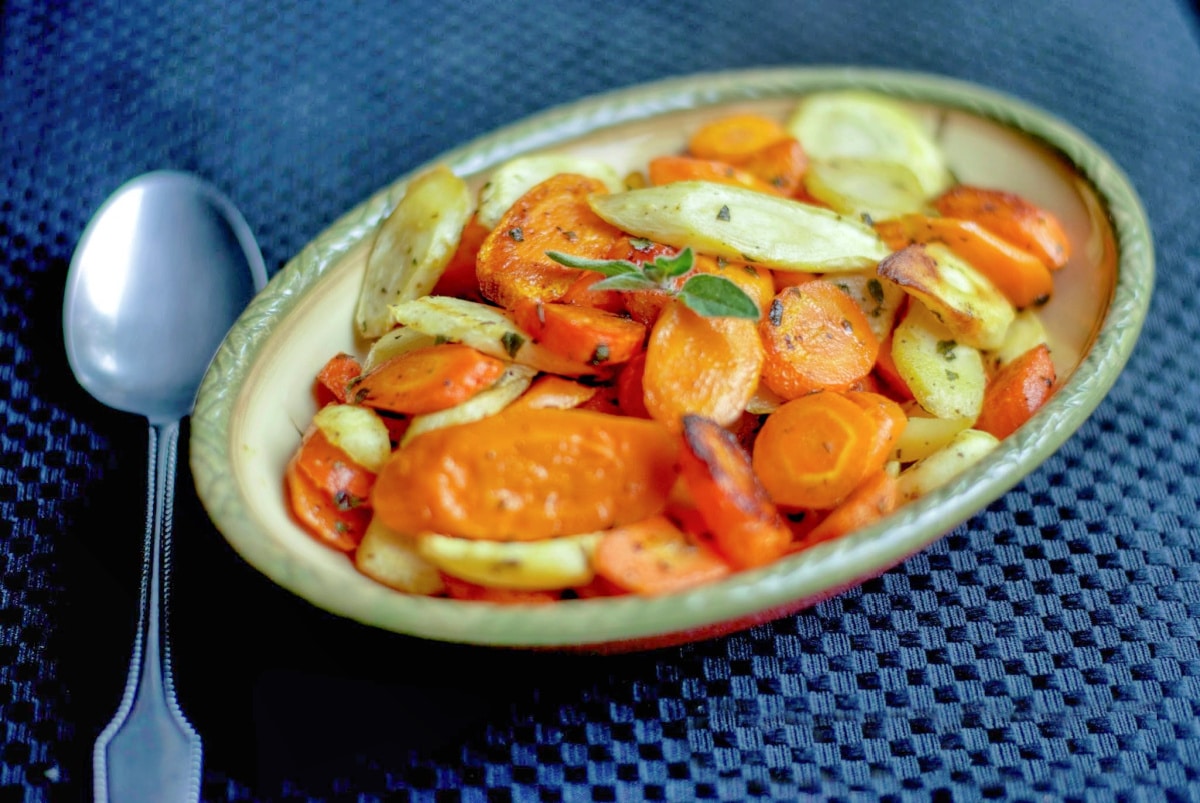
(158, 277)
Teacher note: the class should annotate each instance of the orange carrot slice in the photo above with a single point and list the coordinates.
(553, 392)
(335, 377)
(1017, 391)
(582, 334)
(873, 499)
(694, 364)
(889, 423)
(745, 524)
(427, 379)
(552, 216)
(332, 470)
(814, 450)
(1022, 223)
(528, 474)
(631, 392)
(736, 137)
(669, 169)
(459, 279)
(339, 526)
(781, 164)
(815, 337)
(653, 556)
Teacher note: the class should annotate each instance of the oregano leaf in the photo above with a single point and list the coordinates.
(608, 267)
(625, 281)
(717, 297)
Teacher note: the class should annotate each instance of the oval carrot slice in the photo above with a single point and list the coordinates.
(814, 450)
(756, 282)
(528, 474)
(1017, 391)
(427, 379)
(339, 526)
(707, 366)
(874, 498)
(654, 556)
(346, 482)
(631, 391)
(735, 137)
(1022, 277)
(745, 524)
(670, 169)
(582, 334)
(889, 422)
(335, 377)
(1022, 223)
(781, 164)
(552, 216)
(815, 337)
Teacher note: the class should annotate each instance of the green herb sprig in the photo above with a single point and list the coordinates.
(704, 293)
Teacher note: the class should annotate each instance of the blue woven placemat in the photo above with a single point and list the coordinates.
(1049, 649)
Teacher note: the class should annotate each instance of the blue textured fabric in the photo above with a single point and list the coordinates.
(1047, 650)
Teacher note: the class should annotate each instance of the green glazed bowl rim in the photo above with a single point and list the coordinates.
(746, 597)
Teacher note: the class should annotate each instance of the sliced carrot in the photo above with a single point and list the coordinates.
(1019, 275)
(580, 292)
(335, 376)
(653, 556)
(457, 588)
(814, 450)
(643, 306)
(694, 364)
(528, 474)
(669, 169)
(890, 421)
(735, 137)
(1022, 223)
(427, 379)
(552, 216)
(792, 278)
(815, 337)
(459, 278)
(745, 524)
(332, 470)
(1017, 391)
(781, 164)
(554, 392)
(338, 526)
(631, 392)
(583, 334)
(873, 499)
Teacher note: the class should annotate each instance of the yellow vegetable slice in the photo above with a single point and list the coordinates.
(517, 176)
(743, 225)
(1026, 331)
(866, 125)
(524, 565)
(966, 449)
(865, 187)
(946, 377)
(880, 300)
(923, 435)
(394, 343)
(512, 383)
(962, 298)
(391, 558)
(357, 431)
(412, 246)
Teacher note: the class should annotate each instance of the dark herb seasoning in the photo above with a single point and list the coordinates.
(517, 234)
(723, 214)
(512, 343)
(600, 355)
(946, 349)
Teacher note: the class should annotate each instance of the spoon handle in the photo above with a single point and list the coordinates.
(149, 751)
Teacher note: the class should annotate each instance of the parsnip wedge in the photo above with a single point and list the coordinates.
(866, 125)
(879, 300)
(526, 565)
(966, 449)
(962, 298)
(357, 431)
(946, 377)
(870, 187)
(517, 176)
(393, 343)
(412, 246)
(391, 558)
(923, 435)
(486, 328)
(511, 384)
(1026, 331)
(743, 225)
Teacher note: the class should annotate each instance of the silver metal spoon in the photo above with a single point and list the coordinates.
(160, 274)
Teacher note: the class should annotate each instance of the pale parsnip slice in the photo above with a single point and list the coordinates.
(865, 187)
(965, 300)
(764, 401)
(391, 558)
(483, 327)
(744, 225)
(946, 377)
(879, 300)
(1026, 331)
(545, 565)
(923, 435)
(517, 176)
(966, 449)
(412, 246)
(511, 384)
(357, 431)
(393, 343)
(866, 125)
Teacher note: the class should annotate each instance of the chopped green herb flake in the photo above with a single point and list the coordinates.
(512, 343)
(723, 213)
(946, 349)
(601, 354)
(875, 289)
(517, 234)
(775, 314)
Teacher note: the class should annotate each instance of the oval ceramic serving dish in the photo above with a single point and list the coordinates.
(257, 399)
